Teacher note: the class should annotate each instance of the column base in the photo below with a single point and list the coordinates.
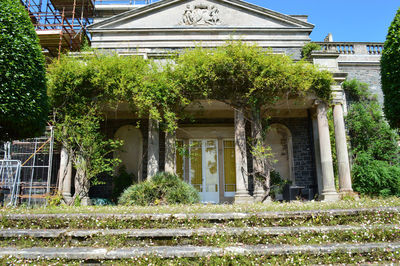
(258, 196)
(349, 193)
(86, 201)
(67, 198)
(241, 198)
(330, 196)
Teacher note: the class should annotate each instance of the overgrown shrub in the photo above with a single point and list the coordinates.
(375, 150)
(163, 188)
(375, 177)
(308, 49)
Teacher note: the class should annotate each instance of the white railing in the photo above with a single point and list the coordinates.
(353, 48)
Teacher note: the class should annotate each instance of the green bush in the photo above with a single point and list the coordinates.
(375, 150)
(308, 49)
(163, 188)
(23, 98)
(375, 177)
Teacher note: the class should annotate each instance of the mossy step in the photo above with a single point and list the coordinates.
(203, 216)
(214, 237)
(191, 251)
(171, 233)
(191, 221)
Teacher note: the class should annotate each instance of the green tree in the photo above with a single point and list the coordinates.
(376, 168)
(390, 72)
(23, 99)
(249, 79)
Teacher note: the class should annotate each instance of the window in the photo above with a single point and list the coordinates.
(229, 168)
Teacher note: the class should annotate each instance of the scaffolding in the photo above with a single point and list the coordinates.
(61, 24)
(28, 171)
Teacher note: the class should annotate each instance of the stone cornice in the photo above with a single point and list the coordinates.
(200, 29)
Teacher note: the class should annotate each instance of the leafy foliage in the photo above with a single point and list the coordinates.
(86, 145)
(122, 181)
(308, 49)
(249, 78)
(375, 177)
(163, 188)
(246, 75)
(239, 74)
(390, 72)
(376, 169)
(23, 99)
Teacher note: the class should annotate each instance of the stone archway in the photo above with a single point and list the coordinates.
(131, 153)
(279, 138)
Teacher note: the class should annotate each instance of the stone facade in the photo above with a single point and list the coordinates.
(154, 30)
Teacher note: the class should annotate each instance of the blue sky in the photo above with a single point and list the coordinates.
(347, 20)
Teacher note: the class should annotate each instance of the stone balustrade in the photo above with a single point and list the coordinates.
(353, 48)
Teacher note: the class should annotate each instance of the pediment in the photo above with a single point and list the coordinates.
(181, 14)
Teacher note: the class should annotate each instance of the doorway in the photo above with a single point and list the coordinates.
(203, 165)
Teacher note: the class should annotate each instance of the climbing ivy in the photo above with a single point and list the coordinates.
(241, 75)
(82, 89)
(249, 78)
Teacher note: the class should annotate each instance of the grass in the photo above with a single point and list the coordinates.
(364, 218)
(364, 202)
(216, 240)
(377, 256)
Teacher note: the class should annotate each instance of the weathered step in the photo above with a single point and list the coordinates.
(191, 251)
(170, 233)
(204, 216)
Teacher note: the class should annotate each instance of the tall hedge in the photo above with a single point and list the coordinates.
(390, 71)
(23, 99)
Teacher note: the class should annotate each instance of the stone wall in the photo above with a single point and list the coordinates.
(368, 74)
(303, 156)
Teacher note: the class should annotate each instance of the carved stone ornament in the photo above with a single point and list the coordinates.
(201, 14)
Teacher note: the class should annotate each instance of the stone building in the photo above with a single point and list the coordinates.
(219, 158)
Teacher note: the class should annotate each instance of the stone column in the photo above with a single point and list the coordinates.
(242, 180)
(65, 175)
(170, 152)
(153, 149)
(317, 153)
(341, 151)
(328, 181)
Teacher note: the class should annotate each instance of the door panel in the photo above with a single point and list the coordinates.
(196, 165)
(204, 169)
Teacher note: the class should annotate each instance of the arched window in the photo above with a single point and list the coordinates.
(131, 153)
(280, 140)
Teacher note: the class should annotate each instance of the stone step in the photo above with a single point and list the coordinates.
(190, 251)
(170, 233)
(203, 216)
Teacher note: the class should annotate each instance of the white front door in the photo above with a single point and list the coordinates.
(204, 169)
